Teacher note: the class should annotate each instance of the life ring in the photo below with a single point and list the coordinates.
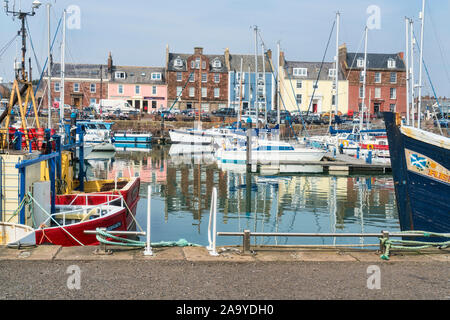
(345, 143)
(370, 147)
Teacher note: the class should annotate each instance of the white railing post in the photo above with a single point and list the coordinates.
(212, 219)
(148, 248)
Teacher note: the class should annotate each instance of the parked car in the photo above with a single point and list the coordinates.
(272, 116)
(224, 112)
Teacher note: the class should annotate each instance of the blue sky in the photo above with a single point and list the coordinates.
(137, 31)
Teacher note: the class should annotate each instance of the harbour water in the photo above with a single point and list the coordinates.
(181, 193)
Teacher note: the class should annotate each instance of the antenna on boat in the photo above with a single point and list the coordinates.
(21, 77)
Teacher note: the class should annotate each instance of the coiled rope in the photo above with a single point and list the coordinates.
(102, 236)
(411, 245)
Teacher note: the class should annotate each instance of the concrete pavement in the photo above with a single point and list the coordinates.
(46, 272)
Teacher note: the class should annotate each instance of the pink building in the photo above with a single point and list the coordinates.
(143, 87)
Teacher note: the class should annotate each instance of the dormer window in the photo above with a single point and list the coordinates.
(391, 63)
(217, 63)
(156, 76)
(301, 72)
(178, 62)
(360, 63)
(332, 73)
(120, 75)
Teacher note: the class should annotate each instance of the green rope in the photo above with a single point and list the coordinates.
(25, 201)
(411, 245)
(103, 236)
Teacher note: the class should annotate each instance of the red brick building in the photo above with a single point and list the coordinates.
(385, 81)
(197, 79)
(84, 84)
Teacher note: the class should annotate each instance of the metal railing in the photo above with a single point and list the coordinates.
(247, 234)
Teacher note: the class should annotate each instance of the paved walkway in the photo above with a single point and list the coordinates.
(47, 272)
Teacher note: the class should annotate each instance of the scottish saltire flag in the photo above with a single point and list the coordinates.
(419, 162)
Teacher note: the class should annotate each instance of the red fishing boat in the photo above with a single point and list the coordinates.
(78, 212)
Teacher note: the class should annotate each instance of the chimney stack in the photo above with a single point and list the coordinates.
(198, 50)
(110, 62)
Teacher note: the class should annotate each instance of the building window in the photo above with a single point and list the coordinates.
(332, 73)
(178, 62)
(57, 86)
(217, 63)
(216, 78)
(204, 92)
(301, 72)
(361, 92)
(391, 63)
(205, 107)
(93, 88)
(156, 76)
(298, 98)
(204, 77)
(299, 84)
(179, 90)
(120, 89)
(377, 77)
(137, 89)
(216, 92)
(153, 104)
(392, 107)
(191, 92)
(120, 75)
(377, 93)
(153, 89)
(393, 93)
(203, 65)
(76, 87)
(361, 76)
(192, 77)
(179, 76)
(92, 101)
(393, 77)
(360, 63)
(333, 100)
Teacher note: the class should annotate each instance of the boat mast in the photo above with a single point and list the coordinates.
(336, 98)
(413, 86)
(264, 81)
(363, 105)
(49, 93)
(422, 18)
(240, 92)
(407, 69)
(256, 106)
(278, 85)
(200, 93)
(63, 73)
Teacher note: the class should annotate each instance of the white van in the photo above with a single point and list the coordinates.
(108, 105)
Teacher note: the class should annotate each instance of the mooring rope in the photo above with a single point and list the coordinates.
(389, 244)
(103, 236)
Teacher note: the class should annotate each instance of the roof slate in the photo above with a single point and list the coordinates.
(313, 70)
(375, 61)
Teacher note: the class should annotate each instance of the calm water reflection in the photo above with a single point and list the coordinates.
(181, 193)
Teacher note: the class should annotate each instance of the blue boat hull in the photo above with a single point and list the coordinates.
(422, 187)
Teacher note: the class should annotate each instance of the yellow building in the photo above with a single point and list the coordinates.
(298, 90)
